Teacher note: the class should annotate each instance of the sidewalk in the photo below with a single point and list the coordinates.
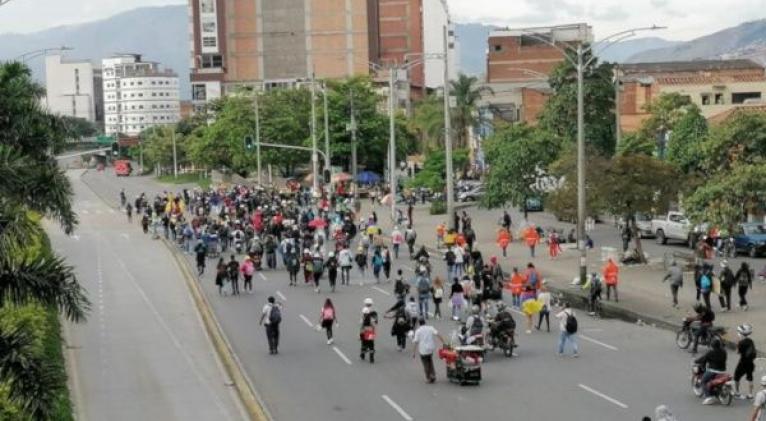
(643, 295)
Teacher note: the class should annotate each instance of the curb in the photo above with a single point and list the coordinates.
(248, 396)
(245, 390)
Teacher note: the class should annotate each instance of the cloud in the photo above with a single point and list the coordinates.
(612, 13)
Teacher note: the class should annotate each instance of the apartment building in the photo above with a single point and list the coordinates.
(73, 88)
(138, 95)
(716, 86)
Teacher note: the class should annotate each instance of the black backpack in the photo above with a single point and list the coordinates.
(275, 315)
(571, 324)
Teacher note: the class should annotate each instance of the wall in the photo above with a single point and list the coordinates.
(70, 88)
(506, 57)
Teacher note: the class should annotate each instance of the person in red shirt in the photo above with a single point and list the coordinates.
(611, 273)
(531, 237)
(503, 239)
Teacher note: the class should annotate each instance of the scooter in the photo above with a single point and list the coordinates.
(503, 339)
(721, 386)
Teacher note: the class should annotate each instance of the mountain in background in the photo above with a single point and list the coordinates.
(473, 47)
(158, 33)
(622, 51)
(747, 40)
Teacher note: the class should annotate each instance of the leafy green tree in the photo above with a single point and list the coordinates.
(428, 122)
(562, 199)
(684, 146)
(31, 183)
(285, 118)
(76, 127)
(158, 146)
(518, 158)
(741, 140)
(434, 172)
(467, 93)
(559, 116)
(635, 144)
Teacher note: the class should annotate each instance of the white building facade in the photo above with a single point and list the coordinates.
(138, 95)
(434, 19)
(73, 88)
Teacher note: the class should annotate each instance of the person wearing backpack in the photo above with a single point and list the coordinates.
(317, 269)
(568, 326)
(744, 279)
(438, 295)
(746, 364)
(293, 266)
(424, 295)
(271, 317)
(327, 318)
(706, 283)
(727, 281)
(410, 236)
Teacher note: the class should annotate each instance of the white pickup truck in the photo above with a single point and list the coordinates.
(675, 226)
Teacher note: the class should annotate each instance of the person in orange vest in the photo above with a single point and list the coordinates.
(441, 229)
(531, 237)
(554, 247)
(503, 239)
(516, 286)
(610, 273)
(460, 240)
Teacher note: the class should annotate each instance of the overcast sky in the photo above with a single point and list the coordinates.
(686, 19)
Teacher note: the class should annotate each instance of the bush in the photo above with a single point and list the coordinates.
(438, 207)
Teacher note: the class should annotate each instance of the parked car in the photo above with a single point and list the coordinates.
(750, 239)
(677, 227)
(533, 204)
(643, 224)
(471, 195)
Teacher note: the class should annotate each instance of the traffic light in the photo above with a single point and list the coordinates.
(249, 143)
(326, 176)
(115, 148)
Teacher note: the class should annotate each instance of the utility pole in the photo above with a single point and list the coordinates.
(581, 165)
(392, 142)
(314, 157)
(448, 134)
(326, 130)
(354, 169)
(617, 128)
(175, 157)
(257, 136)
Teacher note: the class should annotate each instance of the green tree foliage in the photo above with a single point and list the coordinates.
(434, 173)
(428, 122)
(30, 181)
(638, 183)
(559, 116)
(285, 118)
(684, 145)
(467, 93)
(635, 144)
(158, 146)
(518, 157)
(562, 201)
(76, 128)
(741, 140)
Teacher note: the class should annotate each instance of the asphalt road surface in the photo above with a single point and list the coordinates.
(623, 373)
(143, 353)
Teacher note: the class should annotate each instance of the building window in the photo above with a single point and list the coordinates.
(209, 42)
(705, 99)
(208, 27)
(719, 99)
(154, 93)
(207, 6)
(211, 61)
(741, 97)
(497, 47)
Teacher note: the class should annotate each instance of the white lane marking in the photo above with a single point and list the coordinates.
(603, 396)
(85, 211)
(306, 320)
(125, 236)
(76, 237)
(607, 346)
(341, 355)
(262, 275)
(281, 296)
(381, 290)
(398, 408)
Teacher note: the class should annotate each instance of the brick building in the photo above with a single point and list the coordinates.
(236, 42)
(519, 62)
(716, 86)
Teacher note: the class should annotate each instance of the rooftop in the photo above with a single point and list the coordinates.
(723, 117)
(689, 66)
(559, 33)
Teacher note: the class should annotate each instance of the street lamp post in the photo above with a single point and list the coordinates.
(314, 157)
(392, 143)
(36, 53)
(257, 135)
(175, 156)
(448, 136)
(354, 168)
(327, 163)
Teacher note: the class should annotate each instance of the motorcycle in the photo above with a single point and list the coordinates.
(721, 386)
(501, 338)
(689, 328)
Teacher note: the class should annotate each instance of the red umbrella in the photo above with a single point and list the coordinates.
(317, 223)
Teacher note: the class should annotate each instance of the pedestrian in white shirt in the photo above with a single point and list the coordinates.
(568, 326)
(424, 342)
(759, 403)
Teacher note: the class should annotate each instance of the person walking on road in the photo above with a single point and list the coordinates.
(744, 279)
(346, 261)
(361, 261)
(221, 275)
(506, 221)
(367, 330)
(425, 344)
(517, 287)
(233, 269)
(410, 236)
(386, 263)
(424, 294)
(332, 270)
(328, 318)
(727, 282)
(531, 238)
(317, 269)
(611, 272)
(401, 324)
(293, 267)
(271, 317)
(438, 295)
(568, 327)
(457, 299)
(746, 364)
(397, 238)
(247, 268)
(503, 239)
(759, 403)
(676, 277)
(377, 265)
(129, 212)
(201, 254)
(544, 297)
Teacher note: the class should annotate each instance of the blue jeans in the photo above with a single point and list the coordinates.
(706, 378)
(458, 270)
(565, 337)
(423, 305)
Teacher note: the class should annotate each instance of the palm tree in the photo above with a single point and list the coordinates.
(464, 118)
(428, 121)
(31, 184)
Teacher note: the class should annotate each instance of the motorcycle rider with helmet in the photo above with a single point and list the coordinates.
(503, 322)
(714, 363)
(746, 364)
(705, 316)
(474, 326)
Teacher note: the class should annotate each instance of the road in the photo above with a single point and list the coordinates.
(143, 353)
(623, 373)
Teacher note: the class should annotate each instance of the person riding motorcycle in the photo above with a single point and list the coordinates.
(503, 322)
(705, 316)
(474, 327)
(714, 363)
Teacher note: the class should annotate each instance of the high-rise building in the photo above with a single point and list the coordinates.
(73, 88)
(138, 95)
(276, 43)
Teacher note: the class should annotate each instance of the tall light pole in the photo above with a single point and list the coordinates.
(326, 130)
(392, 142)
(580, 64)
(354, 168)
(314, 157)
(175, 156)
(36, 53)
(448, 135)
(257, 135)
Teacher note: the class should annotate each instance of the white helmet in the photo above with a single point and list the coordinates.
(745, 329)
(368, 301)
(763, 381)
